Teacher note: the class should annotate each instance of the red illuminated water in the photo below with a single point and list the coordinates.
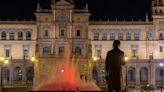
(66, 78)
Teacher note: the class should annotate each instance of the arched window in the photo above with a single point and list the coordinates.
(136, 35)
(17, 74)
(5, 74)
(46, 33)
(62, 32)
(104, 35)
(3, 36)
(95, 74)
(12, 35)
(77, 51)
(144, 75)
(61, 51)
(128, 36)
(131, 74)
(159, 76)
(28, 35)
(46, 50)
(120, 35)
(78, 33)
(161, 36)
(20, 35)
(30, 73)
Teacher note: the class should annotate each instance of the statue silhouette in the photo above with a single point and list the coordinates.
(114, 62)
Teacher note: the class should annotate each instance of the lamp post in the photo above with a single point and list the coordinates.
(161, 74)
(126, 61)
(2, 60)
(33, 59)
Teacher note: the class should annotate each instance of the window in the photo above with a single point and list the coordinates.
(28, 35)
(120, 36)
(61, 51)
(7, 53)
(143, 75)
(136, 35)
(112, 36)
(46, 51)
(46, 33)
(12, 35)
(161, 36)
(17, 74)
(20, 35)
(5, 74)
(25, 51)
(62, 32)
(131, 74)
(95, 74)
(77, 51)
(98, 50)
(104, 36)
(156, 11)
(134, 50)
(151, 55)
(7, 50)
(149, 36)
(161, 48)
(78, 33)
(3, 36)
(159, 76)
(128, 36)
(96, 35)
(30, 74)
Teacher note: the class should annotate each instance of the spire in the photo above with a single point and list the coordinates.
(86, 5)
(147, 17)
(38, 5)
(72, 1)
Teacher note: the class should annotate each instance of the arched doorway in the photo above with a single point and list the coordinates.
(30, 74)
(144, 76)
(17, 72)
(95, 74)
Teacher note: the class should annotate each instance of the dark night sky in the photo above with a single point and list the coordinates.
(100, 9)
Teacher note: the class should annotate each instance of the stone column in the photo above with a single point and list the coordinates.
(36, 79)
(0, 35)
(100, 35)
(132, 35)
(116, 35)
(153, 70)
(108, 35)
(24, 35)
(7, 35)
(24, 73)
(11, 75)
(16, 35)
(124, 35)
(137, 78)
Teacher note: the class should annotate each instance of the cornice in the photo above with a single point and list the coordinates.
(18, 22)
(120, 23)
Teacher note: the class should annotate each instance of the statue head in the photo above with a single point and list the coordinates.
(116, 43)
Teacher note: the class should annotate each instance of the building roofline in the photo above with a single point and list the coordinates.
(120, 23)
(18, 22)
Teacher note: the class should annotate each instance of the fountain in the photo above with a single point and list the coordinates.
(66, 78)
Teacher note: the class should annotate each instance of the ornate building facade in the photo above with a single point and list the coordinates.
(63, 27)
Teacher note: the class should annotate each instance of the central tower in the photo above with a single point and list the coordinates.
(59, 28)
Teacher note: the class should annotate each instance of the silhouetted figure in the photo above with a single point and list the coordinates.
(114, 62)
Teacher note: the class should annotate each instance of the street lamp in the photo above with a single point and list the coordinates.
(126, 61)
(2, 60)
(33, 60)
(161, 74)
